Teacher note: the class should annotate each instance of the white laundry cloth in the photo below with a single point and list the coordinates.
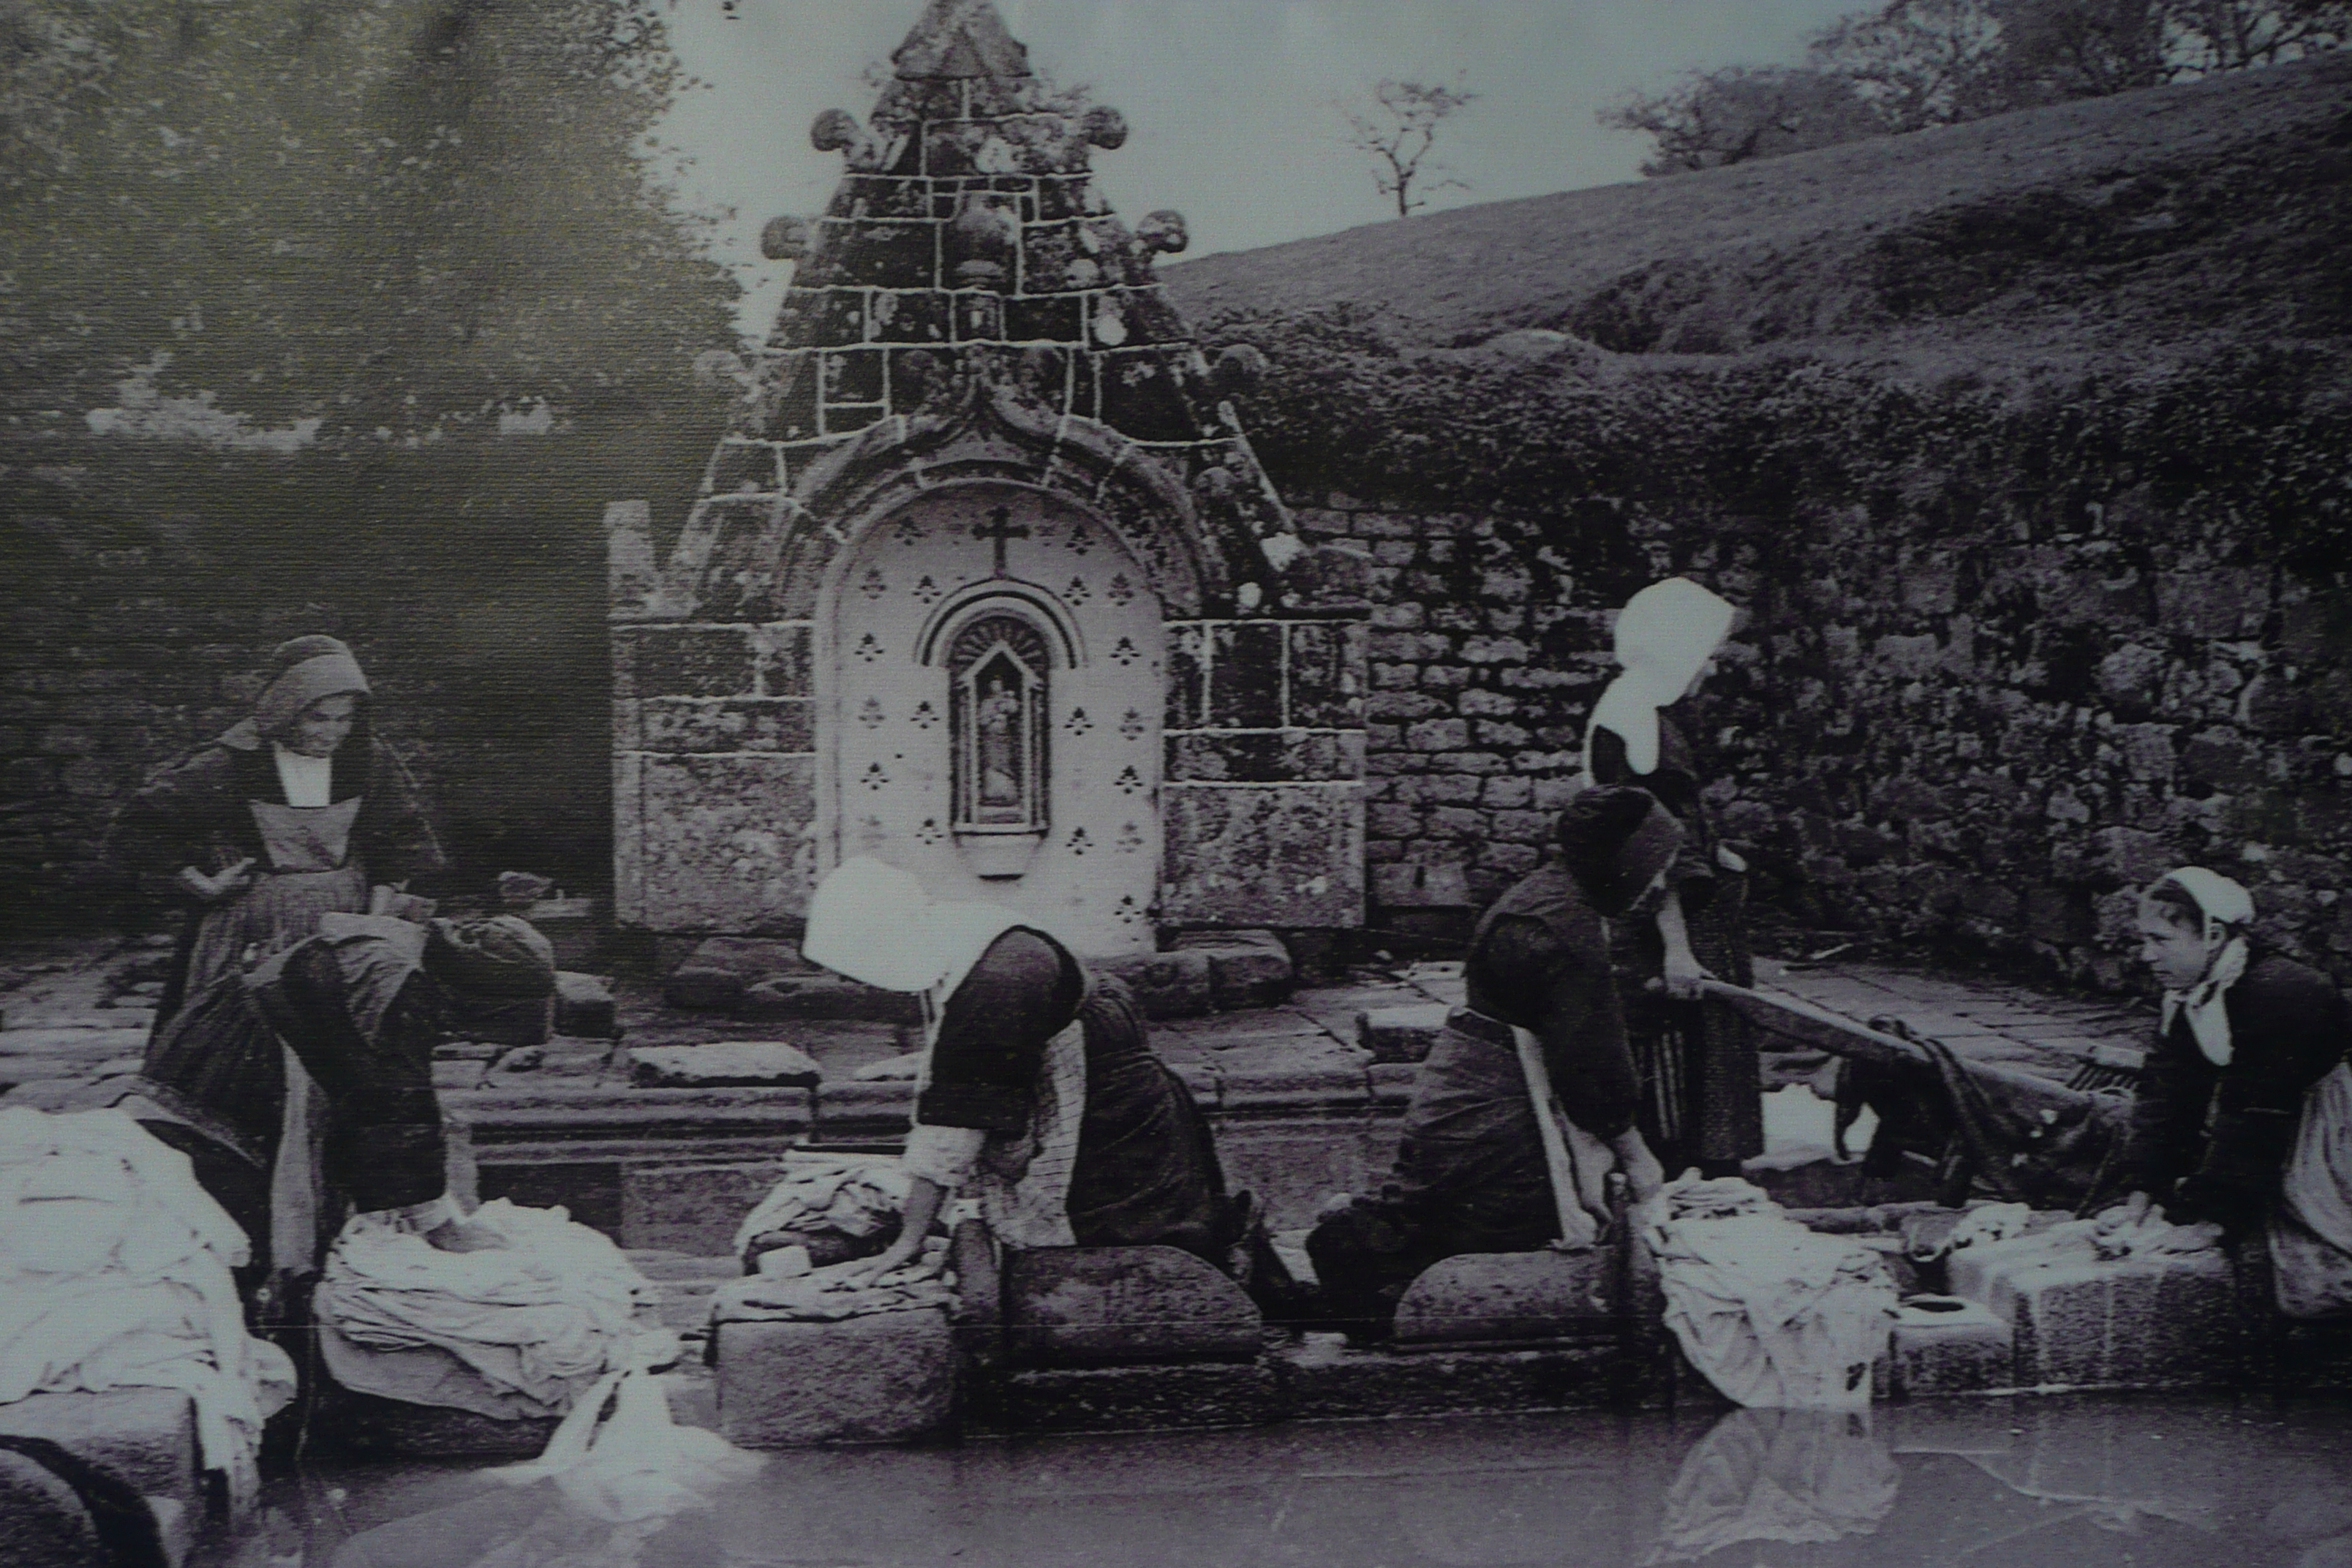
(1774, 1314)
(536, 1322)
(824, 1295)
(114, 1273)
(851, 1197)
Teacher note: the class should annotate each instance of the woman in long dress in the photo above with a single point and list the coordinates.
(294, 813)
(1038, 1089)
(1470, 1173)
(2242, 1114)
(1702, 1085)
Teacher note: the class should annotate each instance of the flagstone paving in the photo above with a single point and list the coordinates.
(77, 1011)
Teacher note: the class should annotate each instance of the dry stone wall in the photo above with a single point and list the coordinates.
(2001, 667)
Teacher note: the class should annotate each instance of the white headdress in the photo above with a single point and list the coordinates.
(876, 923)
(2228, 909)
(1665, 635)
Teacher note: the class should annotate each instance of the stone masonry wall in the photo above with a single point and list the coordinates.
(1988, 742)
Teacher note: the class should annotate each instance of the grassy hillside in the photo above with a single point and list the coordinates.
(2151, 220)
(2024, 442)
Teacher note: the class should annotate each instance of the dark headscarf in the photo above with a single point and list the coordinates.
(503, 956)
(302, 672)
(1614, 841)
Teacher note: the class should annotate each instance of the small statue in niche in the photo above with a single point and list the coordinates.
(998, 666)
(998, 717)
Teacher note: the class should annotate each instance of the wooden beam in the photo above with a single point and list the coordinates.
(1818, 1027)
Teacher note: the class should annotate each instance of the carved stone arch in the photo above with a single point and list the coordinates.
(999, 440)
(1054, 620)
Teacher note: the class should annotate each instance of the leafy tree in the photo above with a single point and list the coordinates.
(398, 219)
(1730, 116)
(1912, 64)
(352, 315)
(1401, 130)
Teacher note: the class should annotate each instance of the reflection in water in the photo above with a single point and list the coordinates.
(1779, 1475)
(2017, 1483)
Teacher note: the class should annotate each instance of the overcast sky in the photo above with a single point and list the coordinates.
(1229, 102)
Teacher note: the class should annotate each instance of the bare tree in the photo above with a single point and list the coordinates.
(1399, 130)
(1734, 115)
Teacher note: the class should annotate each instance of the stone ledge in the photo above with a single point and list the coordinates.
(1968, 1349)
(1323, 1382)
(520, 1113)
(1136, 1398)
(144, 1436)
(1085, 1305)
(1400, 1034)
(584, 1007)
(724, 1064)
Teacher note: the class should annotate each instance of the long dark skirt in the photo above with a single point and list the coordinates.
(1702, 1083)
(1146, 1170)
(1469, 1177)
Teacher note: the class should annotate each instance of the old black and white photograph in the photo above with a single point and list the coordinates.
(1180, 784)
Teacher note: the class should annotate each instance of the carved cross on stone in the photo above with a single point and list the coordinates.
(1000, 528)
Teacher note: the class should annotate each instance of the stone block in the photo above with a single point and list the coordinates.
(691, 1210)
(1400, 1034)
(753, 957)
(720, 845)
(1264, 855)
(145, 1437)
(886, 1378)
(1416, 887)
(1278, 756)
(822, 996)
(584, 1007)
(1245, 675)
(1329, 576)
(1138, 1398)
(1097, 1306)
(2142, 1321)
(1327, 675)
(1945, 1345)
(698, 989)
(1508, 1296)
(723, 1064)
(1178, 985)
(854, 1110)
(1246, 968)
(370, 1426)
(523, 1021)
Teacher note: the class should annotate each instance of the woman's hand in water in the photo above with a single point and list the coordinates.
(223, 884)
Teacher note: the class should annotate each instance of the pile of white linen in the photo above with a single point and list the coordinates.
(1773, 1314)
(114, 1273)
(513, 1331)
(851, 1197)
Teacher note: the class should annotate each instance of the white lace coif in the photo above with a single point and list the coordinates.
(1665, 635)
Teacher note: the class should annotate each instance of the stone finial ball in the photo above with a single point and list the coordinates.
(1164, 230)
(1105, 127)
(787, 238)
(1238, 369)
(835, 131)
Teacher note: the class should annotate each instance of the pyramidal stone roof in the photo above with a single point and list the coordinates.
(967, 274)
